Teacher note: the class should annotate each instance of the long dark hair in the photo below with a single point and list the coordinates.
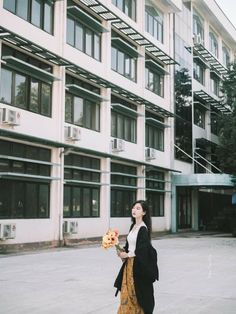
(146, 218)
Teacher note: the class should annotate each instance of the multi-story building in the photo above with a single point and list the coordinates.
(103, 103)
(205, 45)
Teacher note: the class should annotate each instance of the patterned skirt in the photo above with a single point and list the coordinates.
(128, 300)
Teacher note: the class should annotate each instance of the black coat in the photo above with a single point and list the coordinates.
(144, 271)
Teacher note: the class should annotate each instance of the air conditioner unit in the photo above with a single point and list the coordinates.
(70, 227)
(118, 145)
(66, 226)
(73, 227)
(197, 39)
(150, 153)
(10, 117)
(7, 231)
(73, 133)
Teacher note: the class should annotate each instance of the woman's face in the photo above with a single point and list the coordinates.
(137, 211)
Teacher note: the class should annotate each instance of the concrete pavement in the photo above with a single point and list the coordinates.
(197, 275)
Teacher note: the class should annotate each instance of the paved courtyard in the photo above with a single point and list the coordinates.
(197, 275)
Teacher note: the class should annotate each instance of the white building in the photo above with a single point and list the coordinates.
(89, 116)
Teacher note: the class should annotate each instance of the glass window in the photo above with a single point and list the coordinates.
(18, 201)
(114, 52)
(70, 30)
(68, 108)
(48, 17)
(6, 86)
(85, 112)
(76, 200)
(36, 13)
(121, 201)
(83, 38)
(156, 203)
(213, 44)
(34, 95)
(154, 137)
(22, 9)
(78, 110)
(79, 37)
(199, 116)
(24, 91)
(20, 91)
(126, 6)
(31, 200)
(198, 27)
(43, 200)
(46, 100)
(215, 84)
(225, 57)
(67, 201)
(10, 5)
(123, 63)
(155, 82)
(88, 42)
(154, 22)
(199, 72)
(97, 47)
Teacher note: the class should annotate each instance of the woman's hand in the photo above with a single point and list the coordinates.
(122, 254)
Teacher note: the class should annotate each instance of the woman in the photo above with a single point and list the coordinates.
(139, 269)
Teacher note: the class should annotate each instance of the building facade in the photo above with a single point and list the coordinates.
(103, 103)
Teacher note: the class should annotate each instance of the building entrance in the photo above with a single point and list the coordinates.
(184, 208)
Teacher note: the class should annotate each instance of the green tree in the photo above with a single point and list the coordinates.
(226, 151)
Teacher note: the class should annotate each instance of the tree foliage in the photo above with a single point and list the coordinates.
(226, 151)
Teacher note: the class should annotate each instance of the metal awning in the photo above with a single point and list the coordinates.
(155, 66)
(202, 95)
(29, 69)
(45, 54)
(156, 122)
(86, 19)
(210, 59)
(201, 141)
(105, 13)
(80, 91)
(29, 46)
(120, 43)
(124, 109)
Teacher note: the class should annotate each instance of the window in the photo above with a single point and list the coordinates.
(213, 44)
(225, 57)
(215, 125)
(215, 84)
(82, 186)
(198, 26)
(83, 38)
(199, 116)
(123, 189)
(37, 12)
(123, 63)
(15, 91)
(126, 6)
(199, 72)
(82, 112)
(154, 81)
(155, 192)
(123, 120)
(154, 22)
(23, 90)
(154, 136)
(24, 199)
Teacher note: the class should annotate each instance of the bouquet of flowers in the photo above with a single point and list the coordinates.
(110, 239)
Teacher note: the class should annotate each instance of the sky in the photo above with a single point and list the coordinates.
(229, 8)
